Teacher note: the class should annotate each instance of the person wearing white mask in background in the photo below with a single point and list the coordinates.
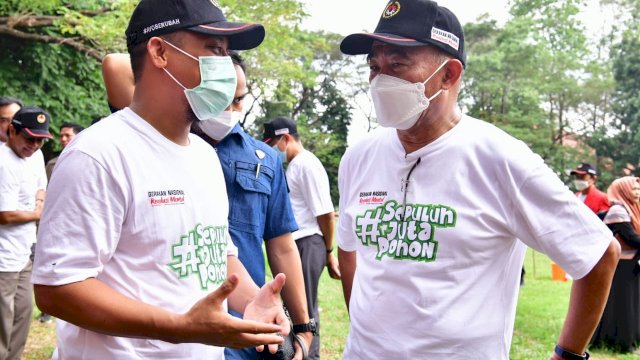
(584, 181)
(259, 209)
(437, 208)
(259, 204)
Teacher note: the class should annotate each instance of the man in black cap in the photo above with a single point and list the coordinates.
(584, 181)
(438, 207)
(135, 256)
(313, 209)
(22, 192)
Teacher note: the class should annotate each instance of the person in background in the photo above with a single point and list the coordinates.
(311, 200)
(23, 186)
(436, 210)
(8, 107)
(619, 327)
(584, 181)
(134, 257)
(259, 211)
(68, 131)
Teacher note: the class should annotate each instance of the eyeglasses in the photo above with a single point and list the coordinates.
(405, 186)
(33, 139)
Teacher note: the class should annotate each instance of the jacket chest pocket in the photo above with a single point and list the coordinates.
(250, 196)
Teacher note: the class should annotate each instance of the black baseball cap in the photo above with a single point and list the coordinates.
(279, 126)
(412, 23)
(585, 168)
(159, 17)
(34, 121)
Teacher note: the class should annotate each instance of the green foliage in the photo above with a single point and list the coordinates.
(39, 74)
(534, 74)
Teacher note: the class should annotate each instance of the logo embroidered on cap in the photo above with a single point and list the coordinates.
(281, 131)
(41, 118)
(161, 25)
(445, 37)
(391, 10)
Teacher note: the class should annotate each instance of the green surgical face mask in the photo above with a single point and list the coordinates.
(217, 85)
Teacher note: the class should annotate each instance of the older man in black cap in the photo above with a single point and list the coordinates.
(22, 191)
(434, 203)
(134, 252)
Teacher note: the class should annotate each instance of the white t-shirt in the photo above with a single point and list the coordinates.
(145, 216)
(20, 180)
(448, 289)
(309, 191)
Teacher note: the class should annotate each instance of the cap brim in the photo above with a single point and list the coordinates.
(38, 133)
(358, 44)
(267, 139)
(242, 36)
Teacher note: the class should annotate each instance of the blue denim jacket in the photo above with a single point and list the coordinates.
(259, 205)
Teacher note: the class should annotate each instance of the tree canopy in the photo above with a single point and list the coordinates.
(538, 76)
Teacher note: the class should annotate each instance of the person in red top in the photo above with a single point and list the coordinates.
(584, 181)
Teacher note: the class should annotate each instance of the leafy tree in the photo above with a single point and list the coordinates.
(53, 50)
(51, 53)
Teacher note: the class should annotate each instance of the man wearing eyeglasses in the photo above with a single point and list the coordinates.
(22, 191)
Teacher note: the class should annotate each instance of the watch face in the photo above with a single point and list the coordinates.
(308, 327)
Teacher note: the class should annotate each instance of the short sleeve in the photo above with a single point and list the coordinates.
(317, 194)
(345, 235)
(9, 188)
(81, 224)
(550, 219)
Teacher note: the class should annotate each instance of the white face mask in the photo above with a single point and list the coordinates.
(221, 125)
(399, 103)
(580, 184)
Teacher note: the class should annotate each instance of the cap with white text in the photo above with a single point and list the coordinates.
(159, 17)
(412, 23)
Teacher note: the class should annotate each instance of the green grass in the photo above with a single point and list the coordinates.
(541, 310)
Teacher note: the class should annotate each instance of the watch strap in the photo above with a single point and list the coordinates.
(568, 355)
(308, 327)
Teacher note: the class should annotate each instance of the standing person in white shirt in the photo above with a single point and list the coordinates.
(134, 254)
(22, 192)
(436, 208)
(313, 210)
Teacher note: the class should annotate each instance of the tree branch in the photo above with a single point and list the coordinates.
(32, 21)
(4, 29)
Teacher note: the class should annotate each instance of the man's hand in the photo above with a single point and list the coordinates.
(39, 206)
(332, 267)
(267, 307)
(208, 322)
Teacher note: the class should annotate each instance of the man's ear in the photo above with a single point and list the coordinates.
(12, 130)
(157, 51)
(452, 74)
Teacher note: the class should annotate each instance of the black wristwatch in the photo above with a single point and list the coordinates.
(568, 355)
(308, 327)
